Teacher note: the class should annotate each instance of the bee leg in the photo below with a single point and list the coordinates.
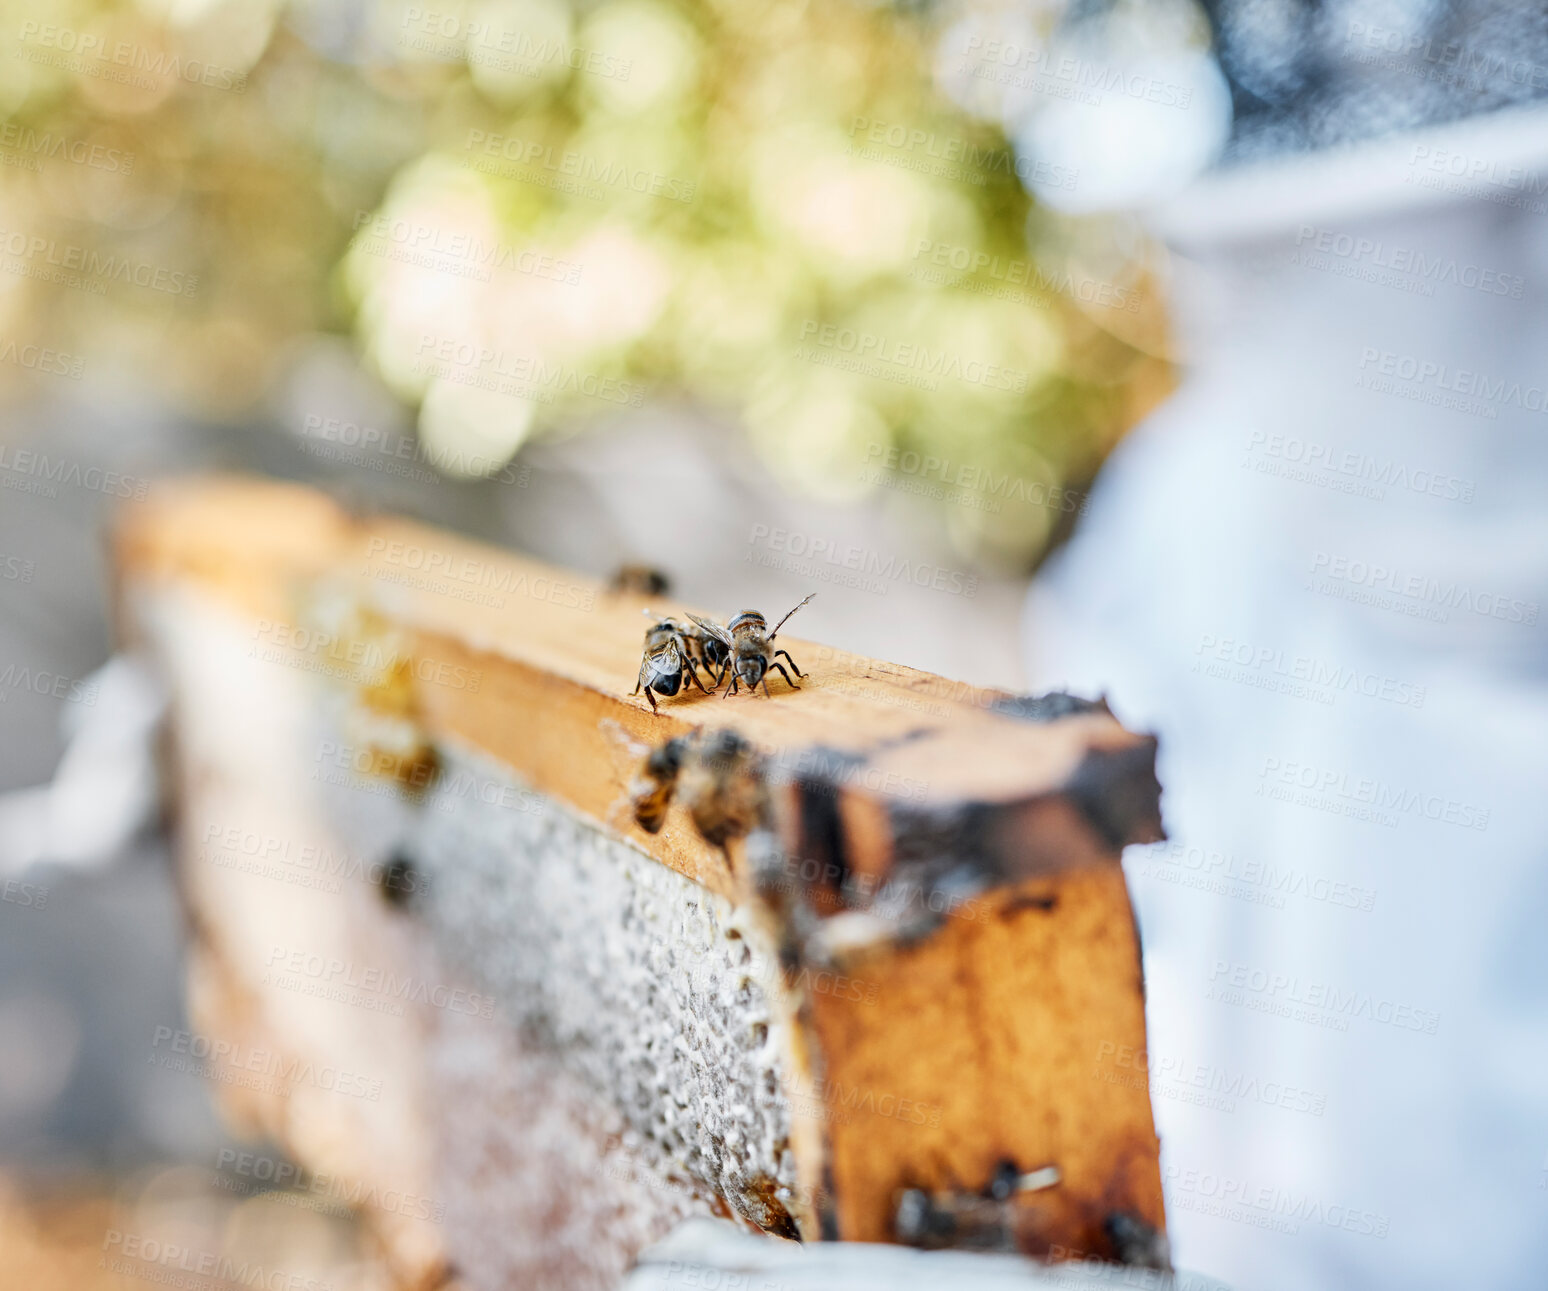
(784, 674)
(693, 672)
(793, 667)
(654, 707)
(732, 689)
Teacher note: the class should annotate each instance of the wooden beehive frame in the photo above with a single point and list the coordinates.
(1000, 821)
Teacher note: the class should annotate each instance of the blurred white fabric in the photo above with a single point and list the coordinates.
(1318, 573)
(106, 788)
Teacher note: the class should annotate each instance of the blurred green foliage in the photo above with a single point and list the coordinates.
(532, 214)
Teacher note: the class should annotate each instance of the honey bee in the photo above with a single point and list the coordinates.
(749, 644)
(650, 792)
(722, 786)
(712, 652)
(668, 654)
(717, 776)
(648, 776)
(639, 580)
(705, 650)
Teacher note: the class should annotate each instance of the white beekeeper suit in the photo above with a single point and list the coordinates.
(1318, 574)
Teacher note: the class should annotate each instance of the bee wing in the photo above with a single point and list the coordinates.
(666, 661)
(715, 630)
(786, 619)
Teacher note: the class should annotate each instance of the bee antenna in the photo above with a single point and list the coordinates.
(786, 619)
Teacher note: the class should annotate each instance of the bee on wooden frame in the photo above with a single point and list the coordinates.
(717, 776)
(709, 652)
(650, 791)
(750, 645)
(648, 775)
(722, 786)
(639, 580)
(669, 653)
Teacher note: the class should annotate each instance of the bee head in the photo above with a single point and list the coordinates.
(750, 667)
(722, 749)
(667, 759)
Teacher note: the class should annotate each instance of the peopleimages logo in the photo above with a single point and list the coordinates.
(123, 61)
(847, 565)
(522, 376)
(1040, 67)
(1204, 1084)
(366, 986)
(1404, 262)
(362, 662)
(484, 42)
(229, 1063)
(1349, 471)
(929, 153)
(1362, 796)
(1271, 668)
(27, 895)
(974, 261)
(1321, 1003)
(1452, 62)
(909, 356)
(13, 569)
(430, 246)
(370, 770)
(398, 454)
(833, 1101)
(1252, 879)
(79, 266)
(27, 142)
(155, 1260)
(591, 174)
(1265, 1206)
(41, 358)
(1420, 595)
(51, 685)
(966, 484)
(1482, 170)
(468, 578)
(313, 865)
(243, 1172)
(1467, 390)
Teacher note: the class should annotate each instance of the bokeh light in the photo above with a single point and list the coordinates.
(531, 217)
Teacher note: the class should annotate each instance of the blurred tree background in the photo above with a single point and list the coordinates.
(532, 214)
